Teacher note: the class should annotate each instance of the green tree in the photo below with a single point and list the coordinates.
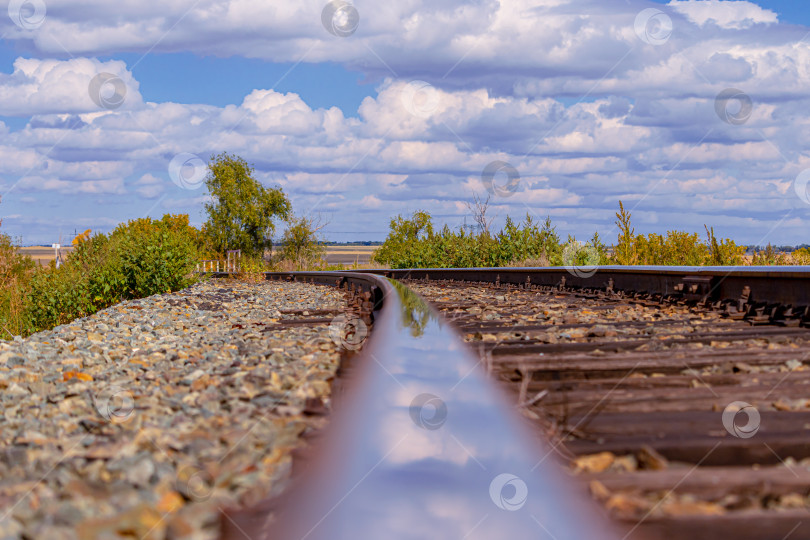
(241, 212)
(301, 244)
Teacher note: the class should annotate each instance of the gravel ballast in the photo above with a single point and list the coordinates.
(146, 418)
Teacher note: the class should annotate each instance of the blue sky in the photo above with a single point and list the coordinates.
(591, 102)
(789, 11)
(186, 78)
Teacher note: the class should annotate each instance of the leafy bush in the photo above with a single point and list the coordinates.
(155, 256)
(724, 252)
(138, 259)
(801, 256)
(517, 245)
(414, 243)
(677, 248)
(402, 247)
(769, 257)
(58, 295)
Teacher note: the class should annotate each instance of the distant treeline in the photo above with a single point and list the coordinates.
(784, 249)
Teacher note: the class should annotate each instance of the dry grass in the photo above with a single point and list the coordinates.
(16, 271)
(374, 265)
(538, 262)
(12, 305)
(286, 265)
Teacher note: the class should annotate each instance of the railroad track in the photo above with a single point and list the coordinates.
(677, 397)
(633, 395)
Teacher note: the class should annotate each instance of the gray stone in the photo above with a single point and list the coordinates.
(115, 443)
(10, 529)
(15, 390)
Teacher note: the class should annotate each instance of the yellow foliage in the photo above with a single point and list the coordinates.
(82, 237)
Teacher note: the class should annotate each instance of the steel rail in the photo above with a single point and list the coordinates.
(423, 445)
(787, 285)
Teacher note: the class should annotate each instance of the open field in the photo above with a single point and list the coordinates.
(349, 254)
(43, 255)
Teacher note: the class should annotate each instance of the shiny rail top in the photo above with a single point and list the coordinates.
(424, 445)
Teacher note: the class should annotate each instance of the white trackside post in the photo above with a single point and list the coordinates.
(56, 254)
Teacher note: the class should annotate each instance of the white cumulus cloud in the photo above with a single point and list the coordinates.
(735, 14)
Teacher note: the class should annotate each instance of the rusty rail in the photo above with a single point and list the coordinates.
(423, 445)
(760, 295)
